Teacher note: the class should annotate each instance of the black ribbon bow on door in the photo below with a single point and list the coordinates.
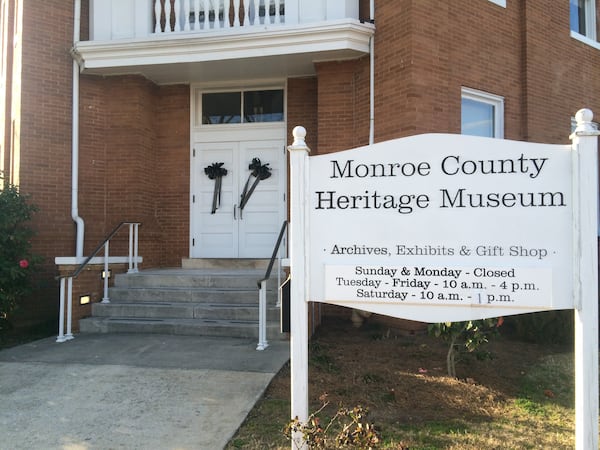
(259, 172)
(216, 172)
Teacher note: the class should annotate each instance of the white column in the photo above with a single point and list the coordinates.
(299, 241)
(585, 148)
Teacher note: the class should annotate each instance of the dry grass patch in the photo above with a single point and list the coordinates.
(521, 398)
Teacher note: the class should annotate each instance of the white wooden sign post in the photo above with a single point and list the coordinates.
(443, 227)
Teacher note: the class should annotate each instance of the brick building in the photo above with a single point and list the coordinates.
(162, 91)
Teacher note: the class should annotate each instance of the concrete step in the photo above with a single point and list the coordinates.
(154, 310)
(224, 263)
(194, 278)
(190, 327)
(190, 295)
(217, 299)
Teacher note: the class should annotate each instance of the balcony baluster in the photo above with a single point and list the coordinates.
(277, 17)
(157, 16)
(186, 15)
(236, 14)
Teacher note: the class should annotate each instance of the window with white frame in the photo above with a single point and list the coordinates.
(482, 114)
(499, 2)
(582, 15)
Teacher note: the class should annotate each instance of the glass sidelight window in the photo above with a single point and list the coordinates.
(242, 107)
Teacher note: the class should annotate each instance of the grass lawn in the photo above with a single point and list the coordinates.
(520, 398)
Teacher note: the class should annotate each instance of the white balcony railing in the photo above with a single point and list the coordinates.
(147, 19)
(201, 15)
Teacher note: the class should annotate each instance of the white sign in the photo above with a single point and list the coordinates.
(447, 228)
(485, 224)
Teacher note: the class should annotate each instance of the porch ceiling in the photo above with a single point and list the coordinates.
(227, 55)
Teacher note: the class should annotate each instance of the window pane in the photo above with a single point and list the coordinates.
(222, 107)
(263, 106)
(577, 14)
(477, 118)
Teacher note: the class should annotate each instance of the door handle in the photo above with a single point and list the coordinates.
(234, 207)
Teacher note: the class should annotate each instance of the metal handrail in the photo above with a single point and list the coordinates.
(66, 281)
(96, 250)
(262, 294)
(274, 255)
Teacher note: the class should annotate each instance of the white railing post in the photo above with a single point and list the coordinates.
(157, 15)
(292, 12)
(69, 334)
(130, 254)
(61, 313)
(262, 316)
(135, 247)
(105, 299)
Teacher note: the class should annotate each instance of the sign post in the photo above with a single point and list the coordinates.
(585, 154)
(299, 236)
(445, 228)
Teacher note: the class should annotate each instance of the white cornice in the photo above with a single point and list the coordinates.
(340, 39)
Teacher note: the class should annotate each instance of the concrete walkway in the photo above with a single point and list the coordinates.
(131, 391)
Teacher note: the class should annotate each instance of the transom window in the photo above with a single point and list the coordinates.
(482, 114)
(242, 107)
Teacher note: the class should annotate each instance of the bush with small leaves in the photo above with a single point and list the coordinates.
(16, 259)
(466, 336)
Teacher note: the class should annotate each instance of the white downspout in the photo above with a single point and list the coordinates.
(372, 77)
(75, 140)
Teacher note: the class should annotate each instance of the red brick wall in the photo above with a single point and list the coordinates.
(135, 163)
(172, 171)
(562, 73)
(426, 50)
(302, 109)
(343, 105)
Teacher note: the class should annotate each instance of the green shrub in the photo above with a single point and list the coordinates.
(547, 327)
(466, 336)
(16, 259)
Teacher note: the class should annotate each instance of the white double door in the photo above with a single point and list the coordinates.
(232, 232)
